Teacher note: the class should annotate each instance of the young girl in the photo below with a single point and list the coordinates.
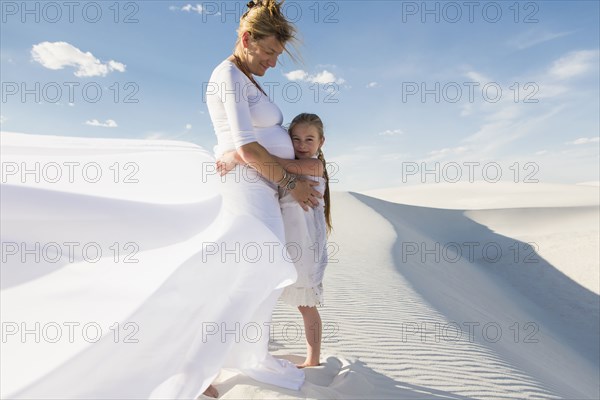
(305, 231)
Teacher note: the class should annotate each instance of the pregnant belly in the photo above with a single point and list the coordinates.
(276, 140)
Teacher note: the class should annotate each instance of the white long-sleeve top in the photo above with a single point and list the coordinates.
(242, 114)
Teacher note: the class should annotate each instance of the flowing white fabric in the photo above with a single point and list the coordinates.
(129, 272)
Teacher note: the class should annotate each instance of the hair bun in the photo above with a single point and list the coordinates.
(264, 18)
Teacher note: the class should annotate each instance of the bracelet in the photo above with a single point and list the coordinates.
(291, 183)
(285, 175)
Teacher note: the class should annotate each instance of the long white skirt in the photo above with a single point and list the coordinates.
(129, 270)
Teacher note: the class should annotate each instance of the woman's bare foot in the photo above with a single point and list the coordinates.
(211, 391)
(306, 364)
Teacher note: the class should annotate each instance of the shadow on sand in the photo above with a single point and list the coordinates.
(566, 309)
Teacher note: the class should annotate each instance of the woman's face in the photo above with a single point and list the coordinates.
(306, 140)
(262, 54)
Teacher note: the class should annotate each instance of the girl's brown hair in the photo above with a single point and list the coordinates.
(314, 120)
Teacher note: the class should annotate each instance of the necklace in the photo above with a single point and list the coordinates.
(242, 67)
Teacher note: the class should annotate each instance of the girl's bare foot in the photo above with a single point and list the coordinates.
(211, 391)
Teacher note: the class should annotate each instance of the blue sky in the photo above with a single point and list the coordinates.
(470, 88)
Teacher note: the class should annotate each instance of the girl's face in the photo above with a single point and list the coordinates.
(306, 140)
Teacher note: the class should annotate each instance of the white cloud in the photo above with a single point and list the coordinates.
(508, 125)
(448, 150)
(533, 37)
(372, 85)
(188, 126)
(108, 124)
(116, 66)
(197, 8)
(390, 132)
(387, 157)
(297, 75)
(585, 140)
(477, 77)
(323, 77)
(505, 122)
(191, 8)
(2, 119)
(545, 90)
(506, 111)
(445, 152)
(573, 64)
(541, 152)
(58, 55)
(466, 109)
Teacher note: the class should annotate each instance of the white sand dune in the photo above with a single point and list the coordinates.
(440, 291)
(481, 195)
(410, 320)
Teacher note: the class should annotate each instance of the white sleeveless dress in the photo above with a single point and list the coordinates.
(190, 270)
(306, 239)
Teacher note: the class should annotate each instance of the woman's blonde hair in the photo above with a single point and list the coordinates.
(265, 18)
(314, 120)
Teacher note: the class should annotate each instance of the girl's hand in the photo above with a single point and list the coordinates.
(227, 162)
(304, 193)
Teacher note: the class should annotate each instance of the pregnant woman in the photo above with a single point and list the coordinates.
(246, 120)
(197, 291)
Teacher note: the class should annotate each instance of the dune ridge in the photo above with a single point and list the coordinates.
(392, 312)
